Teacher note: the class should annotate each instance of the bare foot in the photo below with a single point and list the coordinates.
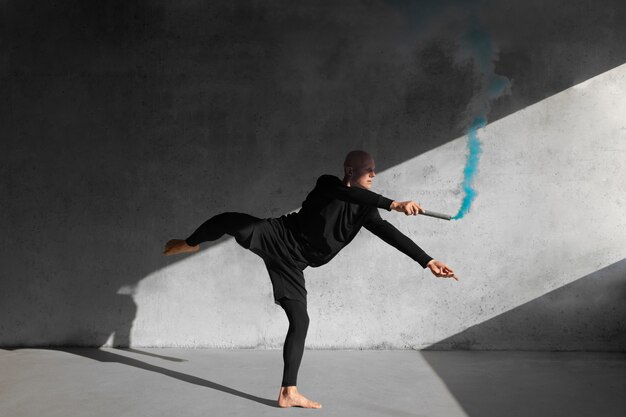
(175, 246)
(290, 397)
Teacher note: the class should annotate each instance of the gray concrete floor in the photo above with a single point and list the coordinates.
(210, 382)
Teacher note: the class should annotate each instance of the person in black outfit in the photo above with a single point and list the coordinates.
(330, 217)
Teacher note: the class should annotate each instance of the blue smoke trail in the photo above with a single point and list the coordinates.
(476, 45)
(480, 48)
(471, 166)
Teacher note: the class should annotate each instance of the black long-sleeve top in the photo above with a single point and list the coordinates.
(331, 216)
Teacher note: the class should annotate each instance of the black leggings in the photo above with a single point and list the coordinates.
(240, 226)
(293, 349)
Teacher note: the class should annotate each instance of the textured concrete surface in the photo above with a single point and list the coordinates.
(127, 123)
(553, 321)
(524, 238)
(166, 382)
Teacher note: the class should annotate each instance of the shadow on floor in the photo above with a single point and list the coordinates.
(103, 356)
(154, 355)
(539, 384)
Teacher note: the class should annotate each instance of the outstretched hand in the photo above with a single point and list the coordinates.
(441, 270)
(410, 208)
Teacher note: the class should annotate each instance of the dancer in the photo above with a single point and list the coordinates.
(330, 217)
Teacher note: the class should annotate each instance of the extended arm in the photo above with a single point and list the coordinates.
(387, 232)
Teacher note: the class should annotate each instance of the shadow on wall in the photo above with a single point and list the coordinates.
(127, 123)
(588, 314)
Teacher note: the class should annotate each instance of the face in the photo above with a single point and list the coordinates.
(363, 173)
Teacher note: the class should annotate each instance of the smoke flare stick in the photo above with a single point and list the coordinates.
(437, 215)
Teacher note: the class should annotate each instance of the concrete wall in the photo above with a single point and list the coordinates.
(126, 124)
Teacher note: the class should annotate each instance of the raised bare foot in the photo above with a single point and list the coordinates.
(175, 246)
(290, 397)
